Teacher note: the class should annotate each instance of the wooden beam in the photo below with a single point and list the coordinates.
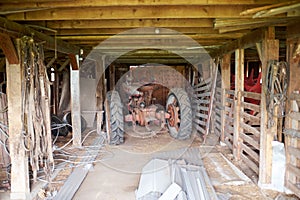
(19, 161)
(259, 51)
(30, 1)
(133, 23)
(9, 49)
(149, 60)
(206, 43)
(134, 12)
(112, 76)
(16, 30)
(137, 37)
(15, 5)
(75, 105)
(264, 8)
(244, 42)
(251, 24)
(293, 30)
(73, 62)
(239, 88)
(225, 73)
(221, 23)
(114, 31)
(280, 10)
(270, 48)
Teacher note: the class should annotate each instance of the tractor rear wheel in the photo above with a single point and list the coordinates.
(179, 108)
(114, 118)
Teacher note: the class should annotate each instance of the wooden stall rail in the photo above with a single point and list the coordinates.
(217, 108)
(292, 144)
(229, 117)
(201, 100)
(250, 129)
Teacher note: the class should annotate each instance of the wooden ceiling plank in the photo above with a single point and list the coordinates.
(219, 23)
(264, 8)
(31, 1)
(277, 11)
(96, 43)
(14, 5)
(145, 61)
(226, 27)
(136, 12)
(159, 38)
(114, 31)
(134, 23)
(16, 30)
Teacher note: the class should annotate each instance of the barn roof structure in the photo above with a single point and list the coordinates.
(219, 26)
(178, 33)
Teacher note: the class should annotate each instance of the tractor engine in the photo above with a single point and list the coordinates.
(142, 111)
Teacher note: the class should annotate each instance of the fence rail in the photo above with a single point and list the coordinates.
(201, 99)
(292, 143)
(250, 129)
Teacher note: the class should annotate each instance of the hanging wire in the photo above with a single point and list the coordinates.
(277, 79)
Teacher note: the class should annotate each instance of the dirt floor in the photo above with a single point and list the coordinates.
(117, 176)
(116, 172)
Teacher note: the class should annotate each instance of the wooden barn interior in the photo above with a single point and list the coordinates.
(84, 82)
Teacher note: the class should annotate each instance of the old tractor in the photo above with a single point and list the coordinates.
(138, 101)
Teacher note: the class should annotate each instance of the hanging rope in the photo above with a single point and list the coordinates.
(277, 79)
(35, 107)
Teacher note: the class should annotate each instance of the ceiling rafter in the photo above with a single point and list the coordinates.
(134, 12)
(16, 30)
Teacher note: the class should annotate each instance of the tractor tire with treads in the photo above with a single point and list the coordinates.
(179, 108)
(114, 118)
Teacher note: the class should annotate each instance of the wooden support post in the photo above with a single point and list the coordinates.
(206, 69)
(270, 51)
(75, 104)
(112, 74)
(225, 73)
(239, 87)
(56, 93)
(19, 161)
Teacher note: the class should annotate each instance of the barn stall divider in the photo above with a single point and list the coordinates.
(201, 99)
(247, 142)
(292, 143)
(250, 129)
